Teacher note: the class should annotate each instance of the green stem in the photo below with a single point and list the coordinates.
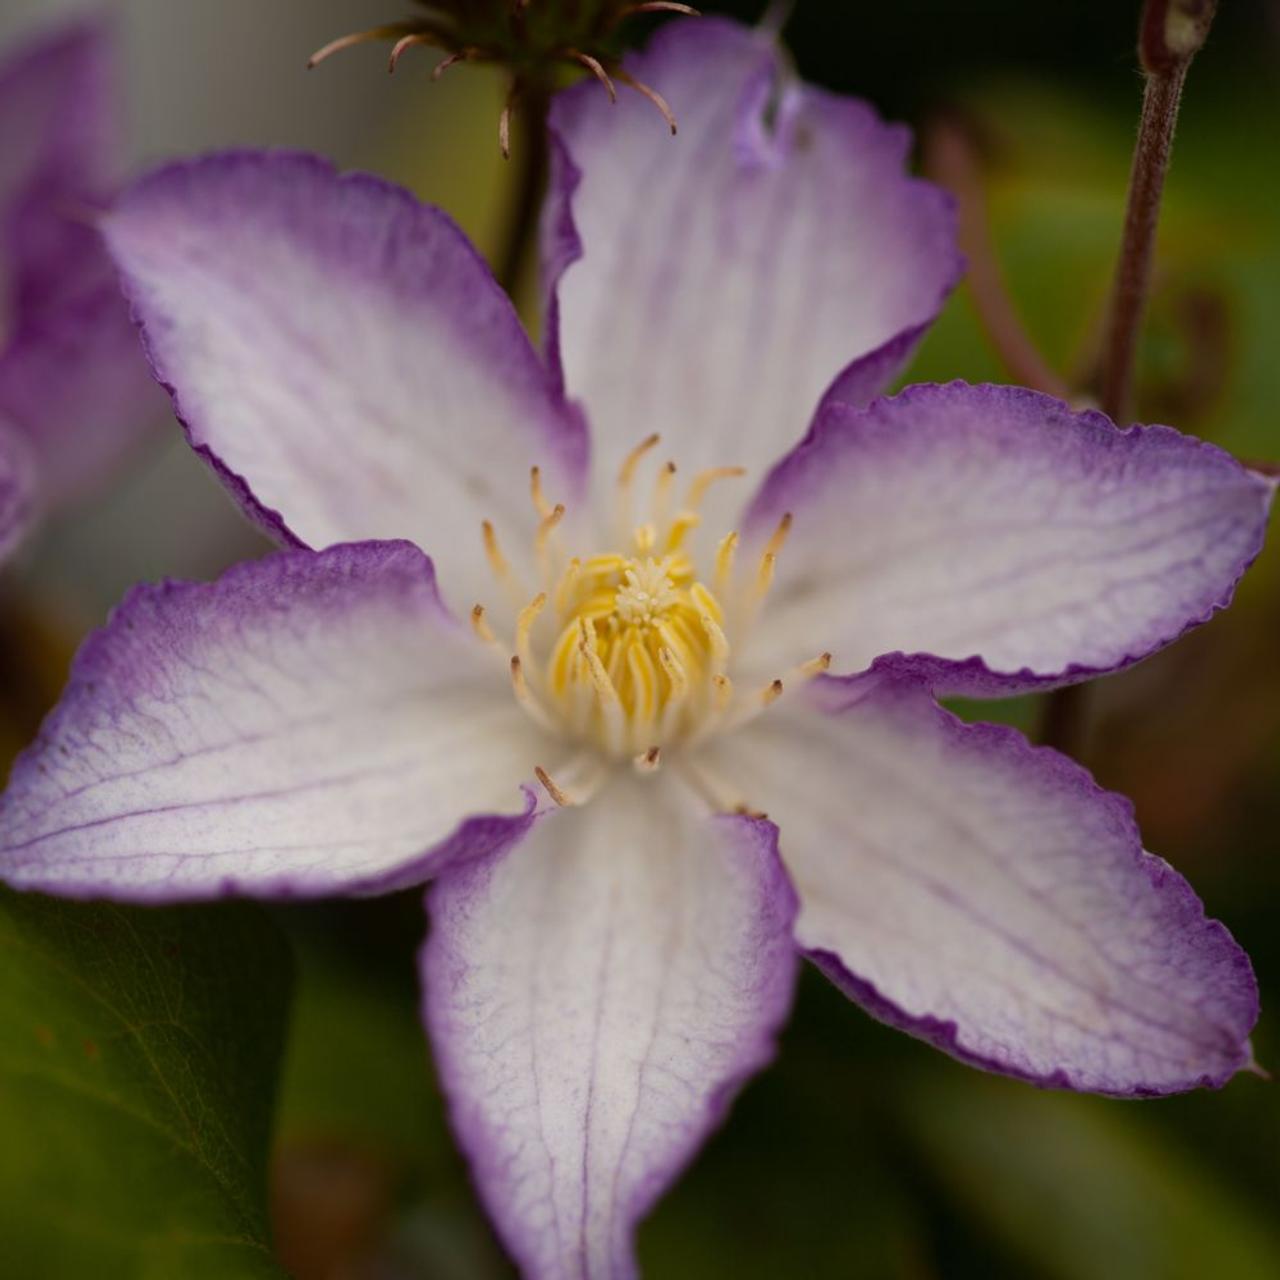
(530, 154)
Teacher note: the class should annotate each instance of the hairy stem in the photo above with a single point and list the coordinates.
(530, 156)
(1142, 215)
(1171, 33)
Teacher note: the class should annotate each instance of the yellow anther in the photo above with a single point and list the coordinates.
(675, 673)
(524, 696)
(680, 529)
(568, 581)
(705, 479)
(626, 478)
(779, 536)
(547, 528)
(662, 494)
(604, 686)
(497, 561)
(627, 472)
(765, 574)
(726, 553)
(481, 627)
(562, 798)
(769, 558)
(518, 681)
(524, 626)
(611, 709)
(717, 639)
(642, 649)
(723, 696)
(814, 667)
(540, 503)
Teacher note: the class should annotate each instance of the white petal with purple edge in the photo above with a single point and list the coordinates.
(988, 897)
(311, 723)
(344, 358)
(1011, 542)
(595, 998)
(712, 286)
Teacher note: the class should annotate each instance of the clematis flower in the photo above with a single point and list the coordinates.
(576, 719)
(74, 389)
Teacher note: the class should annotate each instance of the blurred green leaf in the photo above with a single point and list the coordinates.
(358, 1083)
(358, 1066)
(138, 1052)
(1082, 1190)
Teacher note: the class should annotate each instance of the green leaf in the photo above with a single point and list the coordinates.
(138, 1058)
(1085, 1189)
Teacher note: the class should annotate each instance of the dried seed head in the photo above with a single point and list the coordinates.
(535, 40)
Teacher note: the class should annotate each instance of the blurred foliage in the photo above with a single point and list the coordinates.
(138, 1057)
(1078, 1187)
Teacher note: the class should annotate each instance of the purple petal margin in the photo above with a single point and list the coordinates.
(526, 1213)
(1206, 952)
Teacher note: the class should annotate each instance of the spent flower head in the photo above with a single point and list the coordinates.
(662, 609)
(534, 40)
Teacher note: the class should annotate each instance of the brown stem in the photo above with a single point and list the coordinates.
(530, 154)
(1142, 216)
(950, 158)
(1171, 33)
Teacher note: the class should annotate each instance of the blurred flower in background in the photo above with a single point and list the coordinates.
(75, 391)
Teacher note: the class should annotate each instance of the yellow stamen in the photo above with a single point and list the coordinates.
(675, 673)
(779, 536)
(814, 667)
(627, 472)
(726, 552)
(540, 503)
(641, 652)
(562, 798)
(568, 581)
(662, 494)
(497, 561)
(524, 626)
(723, 692)
(680, 529)
(524, 696)
(481, 626)
(547, 528)
(769, 559)
(606, 694)
(705, 479)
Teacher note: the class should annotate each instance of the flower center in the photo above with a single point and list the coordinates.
(638, 660)
(640, 645)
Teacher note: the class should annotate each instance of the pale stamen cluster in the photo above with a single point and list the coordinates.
(638, 665)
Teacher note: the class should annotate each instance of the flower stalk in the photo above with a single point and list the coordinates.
(529, 112)
(1170, 35)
